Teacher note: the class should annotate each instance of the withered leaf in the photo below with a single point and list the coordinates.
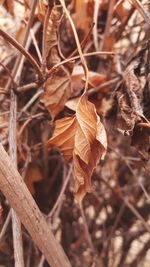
(57, 91)
(51, 39)
(90, 146)
(82, 137)
(129, 98)
(63, 136)
(134, 88)
(58, 85)
(78, 82)
(125, 116)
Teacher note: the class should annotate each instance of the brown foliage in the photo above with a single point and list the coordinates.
(83, 138)
(80, 117)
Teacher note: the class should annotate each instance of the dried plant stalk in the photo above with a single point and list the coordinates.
(20, 199)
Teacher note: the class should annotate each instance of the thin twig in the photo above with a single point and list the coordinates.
(95, 21)
(18, 46)
(132, 171)
(27, 87)
(119, 2)
(61, 193)
(83, 61)
(139, 182)
(35, 44)
(9, 73)
(109, 83)
(5, 225)
(30, 102)
(83, 43)
(116, 222)
(58, 202)
(77, 57)
(141, 10)
(46, 22)
(87, 230)
(16, 225)
(130, 206)
(17, 70)
(108, 22)
(38, 115)
(19, 197)
(144, 125)
(136, 213)
(6, 61)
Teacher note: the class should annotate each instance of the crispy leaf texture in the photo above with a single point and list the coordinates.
(90, 146)
(63, 136)
(58, 85)
(57, 91)
(83, 138)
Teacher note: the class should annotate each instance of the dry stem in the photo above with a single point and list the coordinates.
(83, 61)
(19, 197)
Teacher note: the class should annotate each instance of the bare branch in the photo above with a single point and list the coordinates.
(19, 197)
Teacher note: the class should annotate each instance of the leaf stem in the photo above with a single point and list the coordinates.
(18, 46)
(77, 57)
(83, 61)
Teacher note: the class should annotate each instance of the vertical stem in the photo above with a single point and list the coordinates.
(108, 23)
(87, 234)
(95, 21)
(16, 224)
(47, 15)
(141, 10)
(18, 195)
(27, 31)
(83, 61)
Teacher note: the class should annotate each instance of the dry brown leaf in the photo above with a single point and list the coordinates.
(78, 83)
(82, 136)
(78, 80)
(125, 116)
(72, 103)
(63, 136)
(134, 88)
(58, 85)
(129, 98)
(57, 91)
(51, 42)
(90, 146)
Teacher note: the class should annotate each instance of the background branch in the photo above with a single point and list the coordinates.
(19, 197)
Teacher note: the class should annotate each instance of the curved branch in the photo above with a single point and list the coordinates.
(19, 47)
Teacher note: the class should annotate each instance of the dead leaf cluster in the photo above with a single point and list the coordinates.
(82, 126)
